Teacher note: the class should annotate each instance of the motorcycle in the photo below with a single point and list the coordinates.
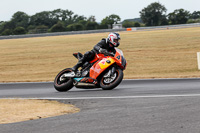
(104, 71)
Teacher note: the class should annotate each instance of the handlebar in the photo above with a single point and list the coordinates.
(110, 54)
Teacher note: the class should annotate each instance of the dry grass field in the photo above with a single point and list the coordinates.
(149, 54)
(16, 110)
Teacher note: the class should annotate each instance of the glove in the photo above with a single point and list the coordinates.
(103, 51)
(112, 54)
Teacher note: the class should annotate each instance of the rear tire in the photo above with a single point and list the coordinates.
(109, 84)
(63, 84)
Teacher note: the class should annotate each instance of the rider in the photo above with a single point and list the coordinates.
(105, 46)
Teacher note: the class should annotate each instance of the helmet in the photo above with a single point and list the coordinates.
(113, 39)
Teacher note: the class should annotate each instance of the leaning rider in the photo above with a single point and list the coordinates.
(105, 46)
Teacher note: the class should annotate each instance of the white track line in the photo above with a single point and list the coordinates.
(114, 97)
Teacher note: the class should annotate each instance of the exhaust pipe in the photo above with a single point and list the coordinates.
(69, 75)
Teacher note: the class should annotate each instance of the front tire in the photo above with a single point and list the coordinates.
(61, 83)
(109, 83)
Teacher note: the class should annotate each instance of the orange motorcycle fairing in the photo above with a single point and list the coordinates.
(100, 66)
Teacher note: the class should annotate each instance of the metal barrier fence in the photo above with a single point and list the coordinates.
(103, 30)
(164, 27)
(60, 33)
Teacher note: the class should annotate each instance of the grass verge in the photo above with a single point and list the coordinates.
(150, 54)
(17, 110)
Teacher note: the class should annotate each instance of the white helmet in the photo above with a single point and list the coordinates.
(113, 38)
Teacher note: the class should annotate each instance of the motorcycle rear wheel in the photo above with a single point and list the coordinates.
(109, 83)
(63, 84)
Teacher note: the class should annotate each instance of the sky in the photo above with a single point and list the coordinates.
(125, 9)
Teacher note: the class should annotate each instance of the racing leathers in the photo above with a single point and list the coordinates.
(103, 47)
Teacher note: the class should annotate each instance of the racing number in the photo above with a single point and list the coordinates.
(118, 57)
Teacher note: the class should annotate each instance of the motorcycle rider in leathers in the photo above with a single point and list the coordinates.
(105, 46)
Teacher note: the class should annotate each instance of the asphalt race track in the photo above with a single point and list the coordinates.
(135, 106)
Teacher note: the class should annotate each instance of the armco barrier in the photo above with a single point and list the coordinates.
(103, 30)
(60, 33)
(163, 27)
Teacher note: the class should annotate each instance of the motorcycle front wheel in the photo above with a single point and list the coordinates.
(62, 83)
(109, 83)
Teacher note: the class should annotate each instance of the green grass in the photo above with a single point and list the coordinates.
(149, 54)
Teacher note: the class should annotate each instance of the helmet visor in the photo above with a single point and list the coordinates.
(116, 40)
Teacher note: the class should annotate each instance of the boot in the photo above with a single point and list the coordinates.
(79, 64)
(75, 68)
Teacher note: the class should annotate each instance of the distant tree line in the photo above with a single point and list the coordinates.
(60, 20)
(155, 15)
(53, 21)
